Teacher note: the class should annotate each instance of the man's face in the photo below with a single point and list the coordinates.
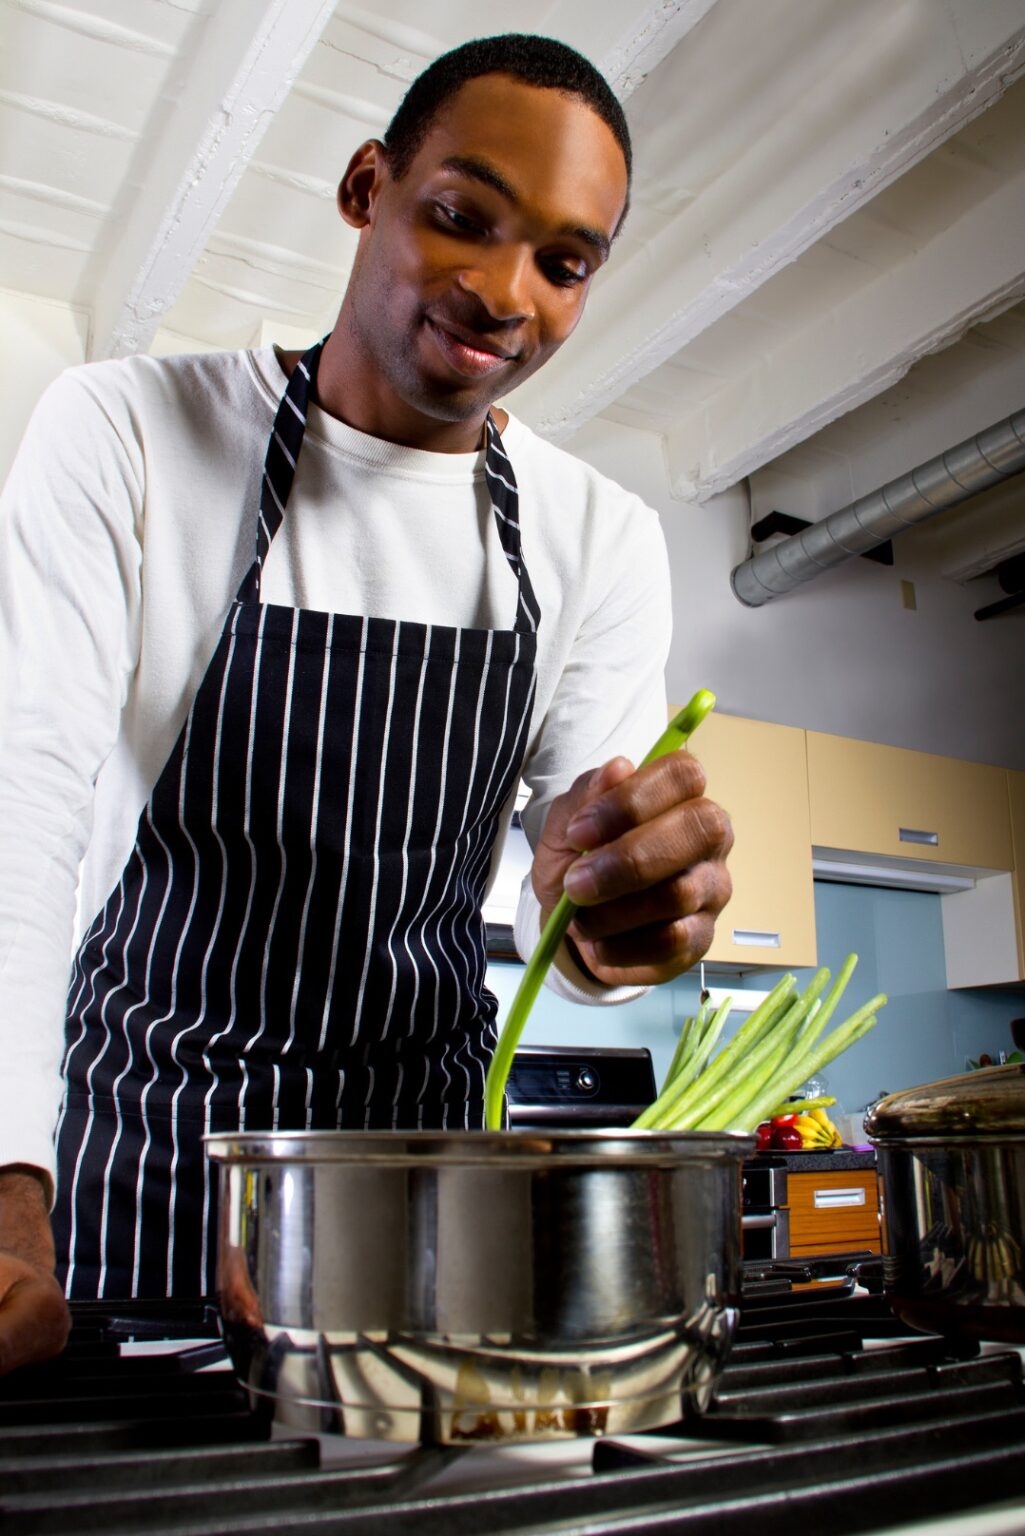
(473, 267)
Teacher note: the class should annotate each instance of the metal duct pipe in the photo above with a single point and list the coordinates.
(951, 477)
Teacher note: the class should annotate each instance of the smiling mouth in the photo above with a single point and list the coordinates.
(472, 358)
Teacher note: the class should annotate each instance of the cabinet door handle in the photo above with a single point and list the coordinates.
(826, 1199)
(757, 938)
(914, 835)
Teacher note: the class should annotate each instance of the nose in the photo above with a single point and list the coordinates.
(500, 281)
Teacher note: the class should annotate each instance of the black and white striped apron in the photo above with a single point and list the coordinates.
(296, 941)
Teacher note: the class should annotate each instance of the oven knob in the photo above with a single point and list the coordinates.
(586, 1079)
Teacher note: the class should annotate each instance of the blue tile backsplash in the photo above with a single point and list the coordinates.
(925, 1032)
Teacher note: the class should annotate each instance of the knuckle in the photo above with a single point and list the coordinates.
(692, 773)
(632, 872)
(715, 828)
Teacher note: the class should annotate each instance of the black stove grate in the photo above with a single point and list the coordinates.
(808, 1425)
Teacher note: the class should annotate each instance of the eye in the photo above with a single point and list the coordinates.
(452, 219)
(565, 272)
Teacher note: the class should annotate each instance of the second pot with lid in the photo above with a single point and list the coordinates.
(988, 1102)
(951, 1158)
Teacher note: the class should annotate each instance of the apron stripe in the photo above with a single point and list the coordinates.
(246, 825)
(404, 881)
(131, 1067)
(155, 1024)
(204, 971)
(349, 812)
(281, 444)
(282, 846)
(314, 817)
(368, 949)
(105, 1042)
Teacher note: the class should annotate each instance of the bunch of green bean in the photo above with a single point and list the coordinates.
(779, 1047)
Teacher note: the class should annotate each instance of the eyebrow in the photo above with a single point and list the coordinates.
(483, 171)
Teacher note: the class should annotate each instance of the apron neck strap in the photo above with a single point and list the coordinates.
(505, 504)
(283, 448)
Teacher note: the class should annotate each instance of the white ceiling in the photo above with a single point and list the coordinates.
(825, 194)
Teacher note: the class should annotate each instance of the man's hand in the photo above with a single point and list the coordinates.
(34, 1317)
(654, 879)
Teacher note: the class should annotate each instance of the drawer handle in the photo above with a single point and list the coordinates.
(758, 1223)
(913, 835)
(756, 938)
(827, 1199)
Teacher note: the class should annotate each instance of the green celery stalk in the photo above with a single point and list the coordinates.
(721, 1111)
(804, 1066)
(679, 1099)
(800, 1106)
(687, 1047)
(702, 1045)
(766, 1055)
(725, 1111)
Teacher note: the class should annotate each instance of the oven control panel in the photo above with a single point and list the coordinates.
(564, 1087)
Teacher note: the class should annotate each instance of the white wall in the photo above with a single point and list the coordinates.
(41, 338)
(840, 654)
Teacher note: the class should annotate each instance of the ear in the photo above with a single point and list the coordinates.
(359, 187)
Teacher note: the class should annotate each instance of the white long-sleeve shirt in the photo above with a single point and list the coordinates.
(126, 525)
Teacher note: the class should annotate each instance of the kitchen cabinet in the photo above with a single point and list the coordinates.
(889, 802)
(758, 773)
(984, 928)
(834, 1212)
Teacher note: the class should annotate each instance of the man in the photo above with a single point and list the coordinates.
(304, 761)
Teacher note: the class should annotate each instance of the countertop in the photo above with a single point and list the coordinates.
(838, 1161)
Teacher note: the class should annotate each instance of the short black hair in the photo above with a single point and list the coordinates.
(537, 61)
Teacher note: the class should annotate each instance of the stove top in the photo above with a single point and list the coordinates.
(830, 1414)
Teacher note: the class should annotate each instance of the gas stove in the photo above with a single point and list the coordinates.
(830, 1413)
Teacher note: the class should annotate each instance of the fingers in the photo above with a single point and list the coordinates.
(632, 799)
(642, 856)
(685, 835)
(655, 934)
(705, 887)
(34, 1316)
(555, 852)
(649, 956)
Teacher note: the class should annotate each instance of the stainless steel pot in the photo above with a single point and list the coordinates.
(464, 1286)
(951, 1159)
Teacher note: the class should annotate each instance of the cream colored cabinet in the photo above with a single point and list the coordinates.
(758, 773)
(894, 803)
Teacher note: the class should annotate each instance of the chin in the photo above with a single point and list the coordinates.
(453, 406)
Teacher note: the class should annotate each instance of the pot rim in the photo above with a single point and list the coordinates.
(950, 1141)
(519, 1147)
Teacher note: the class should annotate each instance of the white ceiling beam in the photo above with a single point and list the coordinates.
(849, 353)
(247, 60)
(723, 245)
(624, 53)
(652, 35)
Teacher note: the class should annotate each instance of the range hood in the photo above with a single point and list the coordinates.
(848, 868)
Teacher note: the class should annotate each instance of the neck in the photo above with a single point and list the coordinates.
(346, 390)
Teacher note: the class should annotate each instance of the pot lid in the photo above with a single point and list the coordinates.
(989, 1102)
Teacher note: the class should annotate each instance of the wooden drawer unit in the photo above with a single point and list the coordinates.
(900, 804)
(833, 1212)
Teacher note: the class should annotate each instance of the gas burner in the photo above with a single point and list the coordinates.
(828, 1411)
